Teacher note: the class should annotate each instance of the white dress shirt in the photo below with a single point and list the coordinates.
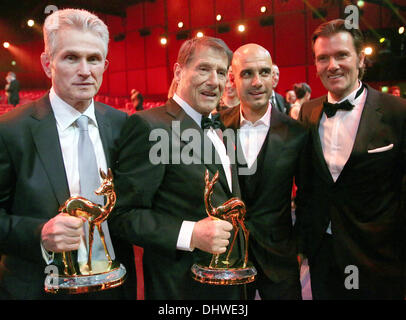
(68, 133)
(253, 135)
(337, 133)
(185, 234)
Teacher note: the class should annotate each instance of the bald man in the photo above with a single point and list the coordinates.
(269, 144)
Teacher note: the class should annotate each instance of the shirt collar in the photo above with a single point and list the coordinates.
(265, 119)
(196, 116)
(65, 114)
(350, 97)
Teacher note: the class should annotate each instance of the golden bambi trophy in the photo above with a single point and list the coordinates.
(92, 275)
(222, 269)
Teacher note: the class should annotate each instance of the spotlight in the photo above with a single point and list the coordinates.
(218, 17)
(199, 34)
(401, 30)
(263, 9)
(368, 51)
(385, 89)
(180, 24)
(163, 41)
(241, 28)
(30, 23)
(382, 40)
(360, 3)
(13, 63)
(6, 44)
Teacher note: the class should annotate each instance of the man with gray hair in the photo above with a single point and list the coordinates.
(161, 203)
(41, 164)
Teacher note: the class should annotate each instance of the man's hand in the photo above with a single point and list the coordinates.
(62, 233)
(211, 235)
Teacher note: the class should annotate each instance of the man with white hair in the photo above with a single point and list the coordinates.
(40, 161)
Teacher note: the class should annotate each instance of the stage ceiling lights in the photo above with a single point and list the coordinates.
(6, 44)
(218, 17)
(180, 24)
(360, 3)
(368, 50)
(263, 9)
(241, 28)
(30, 23)
(199, 34)
(163, 40)
(401, 30)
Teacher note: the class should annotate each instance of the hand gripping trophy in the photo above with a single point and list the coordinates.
(93, 275)
(222, 269)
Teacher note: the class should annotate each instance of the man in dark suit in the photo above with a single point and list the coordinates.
(269, 144)
(354, 225)
(160, 179)
(276, 99)
(39, 158)
(12, 89)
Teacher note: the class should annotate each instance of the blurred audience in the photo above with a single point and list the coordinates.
(276, 99)
(395, 91)
(12, 89)
(290, 96)
(230, 98)
(303, 93)
(137, 100)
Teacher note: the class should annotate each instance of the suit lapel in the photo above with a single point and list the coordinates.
(46, 140)
(370, 122)
(315, 118)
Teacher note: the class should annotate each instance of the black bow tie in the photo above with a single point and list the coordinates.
(330, 109)
(214, 122)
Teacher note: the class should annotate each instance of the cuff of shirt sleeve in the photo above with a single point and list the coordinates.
(47, 255)
(185, 236)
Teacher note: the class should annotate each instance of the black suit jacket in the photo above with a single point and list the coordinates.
(154, 198)
(364, 204)
(281, 104)
(269, 219)
(33, 185)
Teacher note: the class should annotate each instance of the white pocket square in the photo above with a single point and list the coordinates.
(381, 149)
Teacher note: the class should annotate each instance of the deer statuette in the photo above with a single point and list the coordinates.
(95, 214)
(233, 209)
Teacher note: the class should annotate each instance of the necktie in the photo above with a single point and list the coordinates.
(89, 182)
(330, 109)
(214, 122)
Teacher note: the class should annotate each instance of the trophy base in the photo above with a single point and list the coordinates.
(231, 276)
(86, 283)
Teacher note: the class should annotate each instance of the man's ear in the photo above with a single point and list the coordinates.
(106, 64)
(361, 60)
(177, 72)
(46, 64)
